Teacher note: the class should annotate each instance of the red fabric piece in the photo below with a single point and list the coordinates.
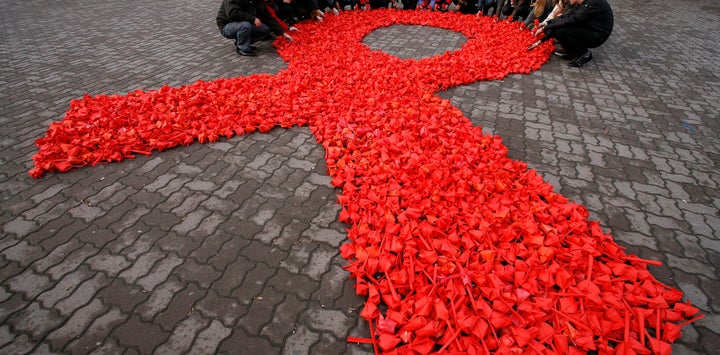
(462, 248)
(282, 23)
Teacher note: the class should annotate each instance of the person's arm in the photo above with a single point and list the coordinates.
(274, 15)
(266, 17)
(271, 21)
(530, 17)
(518, 5)
(556, 11)
(498, 8)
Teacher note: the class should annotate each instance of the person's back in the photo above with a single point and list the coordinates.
(246, 22)
(594, 14)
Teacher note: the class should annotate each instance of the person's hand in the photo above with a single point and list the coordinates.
(293, 28)
(288, 37)
(534, 45)
(258, 23)
(539, 29)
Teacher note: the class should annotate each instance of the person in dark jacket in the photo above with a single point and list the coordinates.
(516, 9)
(247, 21)
(587, 24)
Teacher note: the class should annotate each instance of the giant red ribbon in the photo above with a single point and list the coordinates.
(457, 247)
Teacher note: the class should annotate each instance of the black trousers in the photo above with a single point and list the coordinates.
(576, 40)
(522, 11)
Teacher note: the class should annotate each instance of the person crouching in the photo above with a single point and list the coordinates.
(586, 24)
(247, 22)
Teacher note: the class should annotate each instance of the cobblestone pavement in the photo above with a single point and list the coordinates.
(232, 247)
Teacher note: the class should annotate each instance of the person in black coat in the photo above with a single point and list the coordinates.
(247, 21)
(587, 24)
(516, 9)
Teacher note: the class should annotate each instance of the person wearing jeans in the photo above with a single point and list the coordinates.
(247, 21)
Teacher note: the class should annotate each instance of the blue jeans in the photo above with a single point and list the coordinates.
(246, 33)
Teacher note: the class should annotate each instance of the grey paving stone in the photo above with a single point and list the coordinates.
(152, 335)
(261, 309)
(319, 261)
(11, 305)
(71, 261)
(86, 212)
(81, 295)
(76, 325)
(22, 344)
(179, 307)
(160, 182)
(111, 264)
(330, 345)
(29, 284)
(122, 295)
(284, 321)
(327, 235)
(327, 320)
(226, 309)
(159, 299)
(6, 336)
(190, 221)
(65, 287)
(252, 344)
(142, 265)
(188, 271)
(300, 341)
(209, 339)
(299, 256)
(36, 321)
(690, 265)
(23, 253)
(19, 227)
(183, 336)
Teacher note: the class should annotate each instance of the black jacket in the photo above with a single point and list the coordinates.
(246, 11)
(594, 14)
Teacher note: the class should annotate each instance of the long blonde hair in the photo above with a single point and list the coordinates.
(540, 7)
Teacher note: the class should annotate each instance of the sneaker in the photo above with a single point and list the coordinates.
(560, 53)
(251, 46)
(249, 53)
(581, 60)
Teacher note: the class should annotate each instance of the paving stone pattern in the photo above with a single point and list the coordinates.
(232, 247)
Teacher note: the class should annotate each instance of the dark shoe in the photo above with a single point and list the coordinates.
(581, 60)
(249, 53)
(252, 48)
